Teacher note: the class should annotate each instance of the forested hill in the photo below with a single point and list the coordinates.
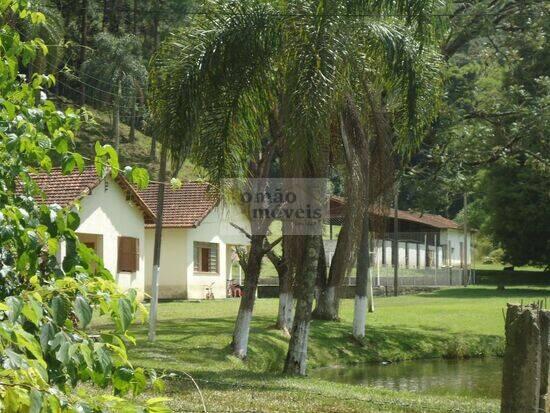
(132, 151)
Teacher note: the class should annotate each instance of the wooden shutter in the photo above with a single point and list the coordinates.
(128, 254)
(205, 259)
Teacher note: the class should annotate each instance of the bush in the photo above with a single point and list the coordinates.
(497, 255)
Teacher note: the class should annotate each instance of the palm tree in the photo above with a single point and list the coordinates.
(116, 74)
(223, 76)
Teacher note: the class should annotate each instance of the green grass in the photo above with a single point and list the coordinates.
(194, 337)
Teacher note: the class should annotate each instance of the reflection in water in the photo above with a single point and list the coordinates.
(476, 378)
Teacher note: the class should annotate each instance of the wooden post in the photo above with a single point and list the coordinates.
(526, 360)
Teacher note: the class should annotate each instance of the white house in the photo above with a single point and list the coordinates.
(424, 240)
(198, 242)
(112, 220)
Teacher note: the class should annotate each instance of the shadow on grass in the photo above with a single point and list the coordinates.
(475, 293)
(204, 344)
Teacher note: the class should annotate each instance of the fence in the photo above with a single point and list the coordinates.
(424, 259)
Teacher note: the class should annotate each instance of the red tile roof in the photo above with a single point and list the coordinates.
(65, 189)
(185, 207)
(436, 221)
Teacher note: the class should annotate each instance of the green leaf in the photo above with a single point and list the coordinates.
(79, 160)
(99, 151)
(140, 177)
(62, 354)
(15, 305)
(83, 311)
(102, 357)
(60, 310)
(124, 313)
(36, 401)
(113, 160)
(10, 108)
(32, 310)
(53, 246)
(73, 220)
(68, 164)
(46, 163)
(61, 145)
(47, 333)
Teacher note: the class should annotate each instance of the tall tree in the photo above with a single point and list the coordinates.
(116, 63)
(241, 61)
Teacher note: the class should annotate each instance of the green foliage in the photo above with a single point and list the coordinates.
(218, 83)
(116, 59)
(517, 198)
(495, 115)
(46, 307)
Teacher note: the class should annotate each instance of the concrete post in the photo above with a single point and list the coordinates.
(526, 360)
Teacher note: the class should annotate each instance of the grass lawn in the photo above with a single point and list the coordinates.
(194, 337)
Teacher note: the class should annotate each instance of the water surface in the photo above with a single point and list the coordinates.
(475, 377)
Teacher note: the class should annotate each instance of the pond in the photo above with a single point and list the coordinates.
(474, 378)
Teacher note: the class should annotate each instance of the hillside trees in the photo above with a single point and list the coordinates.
(494, 118)
(47, 306)
(116, 63)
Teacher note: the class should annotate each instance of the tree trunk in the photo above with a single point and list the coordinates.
(106, 14)
(83, 45)
(132, 136)
(296, 359)
(157, 245)
(155, 34)
(251, 276)
(114, 17)
(153, 150)
(116, 118)
(286, 300)
(363, 264)
(135, 18)
(328, 301)
(370, 293)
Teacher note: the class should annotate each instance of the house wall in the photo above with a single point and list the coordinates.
(108, 213)
(454, 237)
(173, 262)
(215, 228)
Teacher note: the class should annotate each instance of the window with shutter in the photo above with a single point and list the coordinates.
(128, 254)
(205, 257)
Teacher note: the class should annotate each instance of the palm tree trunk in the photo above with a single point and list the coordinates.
(157, 245)
(296, 358)
(246, 307)
(363, 263)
